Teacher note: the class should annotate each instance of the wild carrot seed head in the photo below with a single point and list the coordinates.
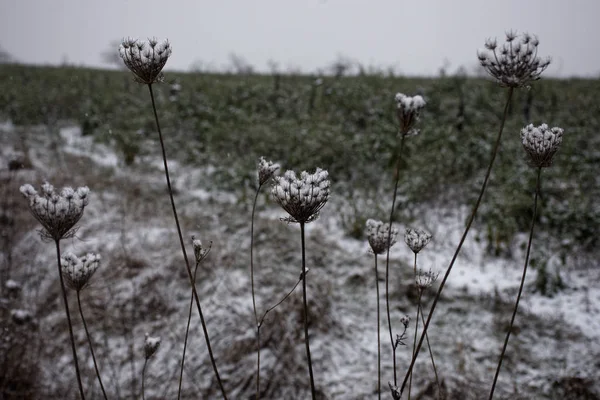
(266, 170)
(302, 198)
(541, 143)
(78, 271)
(145, 59)
(416, 239)
(408, 110)
(377, 235)
(151, 345)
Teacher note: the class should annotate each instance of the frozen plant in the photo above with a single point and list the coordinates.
(302, 198)
(145, 59)
(416, 239)
(78, 271)
(266, 170)
(515, 63)
(151, 345)
(541, 143)
(408, 109)
(426, 279)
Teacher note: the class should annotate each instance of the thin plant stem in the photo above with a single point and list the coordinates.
(378, 333)
(187, 263)
(387, 259)
(64, 293)
(415, 340)
(87, 333)
(514, 314)
(262, 320)
(187, 331)
(254, 295)
(462, 239)
(144, 379)
(310, 371)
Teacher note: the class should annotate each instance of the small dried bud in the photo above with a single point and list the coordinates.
(408, 110)
(515, 63)
(395, 391)
(541, 143)
(145, 59)
(78, 271)
(425, 279)
(151, 345)
(21, 317)
(200, 252)
(266, 169)
(416, 239)
(302, 198)
(379, 236)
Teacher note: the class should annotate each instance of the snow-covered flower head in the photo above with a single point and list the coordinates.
(266, 170)
(515, 63)
(151, 344)
(145, 59)
(408, 110)
(58, 212)
(541, 143)
(378, 234)
(395, 391)
(200, 252)
(416, 239)
(302, 198)
(78, 271)
(425, 279)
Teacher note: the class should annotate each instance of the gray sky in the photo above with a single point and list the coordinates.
(414, 36)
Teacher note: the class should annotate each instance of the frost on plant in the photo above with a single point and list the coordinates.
(302, 198)
(416, 239)
(515, 63)
(541, 143)
(58, 212)
(395, 391)
(145, 59)
(200, 252)
(408, 110)
(377, 235)
(151, 345)
(266, 170)
(78, 271)
(425, 279)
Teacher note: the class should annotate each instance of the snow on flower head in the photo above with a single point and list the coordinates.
(78, 271)
(541, 143)
(515, 63)
(58, 212)
(378, 234)
(302, 198)
(408, 110)
(145, 59)
(200, 252)
(416, 239)
(266, 170)
(151, 345)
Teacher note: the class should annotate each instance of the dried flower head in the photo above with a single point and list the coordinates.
(378, 235)
(302, 197)
(416, 239)
(58, 212)
(145, 59)
(266, 170)
(200, 252)
(425, 279)
(408, 110)
(151, 344)
(21, 317)
(401, 339)
(541, 143)
(515, 63)
(395, 391)
(78, 271)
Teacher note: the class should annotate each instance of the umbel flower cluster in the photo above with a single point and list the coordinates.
(541, 143)
(145, 59)
(58, 212)
(416, 239)
(378, 234)
(78, 271)
(408, 109)
(151, 344)
(266, 170)
(515, 63)
(302, 198)
(200, 252)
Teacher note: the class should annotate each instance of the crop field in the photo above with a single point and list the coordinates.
(82, 127)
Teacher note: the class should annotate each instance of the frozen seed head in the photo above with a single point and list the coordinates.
(515, 63)
(200, 252)
(302, 198)
(378, 234)
(541, 143)
(416, 239)
(78, 271)
(395, 391)
(145, 59)
(21, 317)
(425, 279)
(408, 110)
(58, 212)
(151, 344)
(266, 170)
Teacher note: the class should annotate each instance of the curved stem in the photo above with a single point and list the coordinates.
(87, 333)
(254, 295)
(310, 371)
(387, 260)
(64, 293)
(462, 239)
(437, 380)
(280, 301)
(144, 380)
(514, 314)
(187, 331)
(187, 263)
(378, 333)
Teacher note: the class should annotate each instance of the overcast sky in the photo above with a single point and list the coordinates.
(416, 37)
